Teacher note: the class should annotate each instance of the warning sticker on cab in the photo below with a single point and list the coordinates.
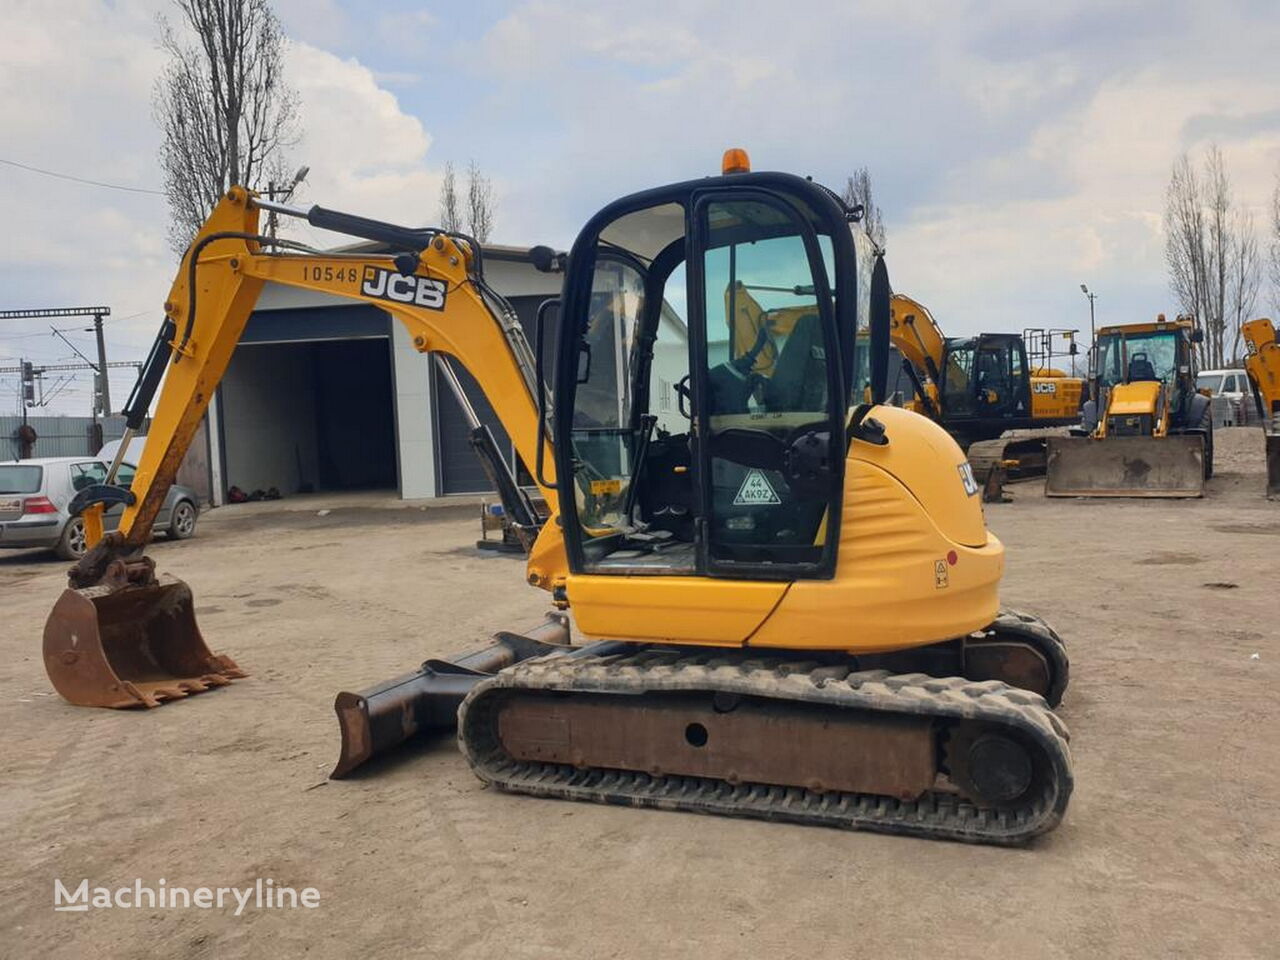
(605, 488)
(756, 491)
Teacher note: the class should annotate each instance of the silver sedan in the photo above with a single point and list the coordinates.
(34, 495)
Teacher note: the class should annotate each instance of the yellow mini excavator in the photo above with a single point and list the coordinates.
(1262, 363)
(1149, 433)
(791, 600)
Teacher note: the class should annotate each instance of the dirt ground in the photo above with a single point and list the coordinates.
(1170, 848)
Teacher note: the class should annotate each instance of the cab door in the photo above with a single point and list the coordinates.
(769, 401)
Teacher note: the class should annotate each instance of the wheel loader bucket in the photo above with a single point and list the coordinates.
(1170, 466)
(130, 646)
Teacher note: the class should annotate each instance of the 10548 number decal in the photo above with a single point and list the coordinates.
(330, 273)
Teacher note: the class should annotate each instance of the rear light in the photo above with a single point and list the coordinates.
(38, 505)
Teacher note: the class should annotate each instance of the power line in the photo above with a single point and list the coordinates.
(85, 180)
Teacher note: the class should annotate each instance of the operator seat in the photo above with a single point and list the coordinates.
(799, 380)
(1140, 368)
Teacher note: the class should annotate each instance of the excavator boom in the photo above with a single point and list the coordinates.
(120, 636)
(1263, 366)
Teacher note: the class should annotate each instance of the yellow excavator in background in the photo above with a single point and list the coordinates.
(978, 388)
(1150, 432)
(1262, 363)
(792, 598)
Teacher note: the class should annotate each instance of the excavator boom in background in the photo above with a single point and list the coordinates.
(791, 599)
(980, 388)
(1262, 363)
(1150, 432)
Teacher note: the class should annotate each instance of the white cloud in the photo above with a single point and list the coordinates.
(94, 67)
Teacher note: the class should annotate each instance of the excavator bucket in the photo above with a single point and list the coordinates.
(1273, 466)
(130, 646)
(1171, 466)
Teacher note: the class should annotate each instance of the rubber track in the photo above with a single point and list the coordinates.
(937, 814)
(1027, 626)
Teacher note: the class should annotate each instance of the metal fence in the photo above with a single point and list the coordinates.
(58, 436)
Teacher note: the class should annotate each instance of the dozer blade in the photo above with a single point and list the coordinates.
(1170, 466)
(377, 720)
(130, 646)
(1273, 466)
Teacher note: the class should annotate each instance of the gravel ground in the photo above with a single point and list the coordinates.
(1171, 846)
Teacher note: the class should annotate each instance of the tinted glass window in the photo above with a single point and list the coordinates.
(1209, 381)
(766, 381)
(18, 478)
(86, 474)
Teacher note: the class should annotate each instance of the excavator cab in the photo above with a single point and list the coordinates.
(986, 389)
(703, 385)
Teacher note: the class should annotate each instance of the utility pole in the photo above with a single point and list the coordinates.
(102, 403)
(104, 387)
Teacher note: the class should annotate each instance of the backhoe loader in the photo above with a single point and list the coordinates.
(791, 600)
(1262, 363)
(1147, 431)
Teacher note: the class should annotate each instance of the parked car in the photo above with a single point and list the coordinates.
(1233, 397)
(34, 495)
(1232, 384)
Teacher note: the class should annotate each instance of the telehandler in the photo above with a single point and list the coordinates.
(1147, 431)
(1262, 363)
(793, 603)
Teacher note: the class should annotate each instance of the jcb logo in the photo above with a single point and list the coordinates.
(967, 479)
(1044, 388)
(403, 288)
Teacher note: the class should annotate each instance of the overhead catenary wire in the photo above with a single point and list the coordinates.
(85, 180)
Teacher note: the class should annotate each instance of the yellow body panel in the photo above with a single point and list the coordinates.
(1133, 399)
(696, 610)
(906, 512)
(1055, 396)
(908, 505)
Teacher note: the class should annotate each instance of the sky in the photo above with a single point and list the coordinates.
(1017, 148)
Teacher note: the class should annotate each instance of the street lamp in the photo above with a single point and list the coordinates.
(286, 192)
(1093, 346)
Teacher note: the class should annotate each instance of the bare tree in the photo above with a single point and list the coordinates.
(857, 192)
(1244, 279)
(1211, 251)
(225, 113)
(480, 203)
(450, 213)
(1275, 245)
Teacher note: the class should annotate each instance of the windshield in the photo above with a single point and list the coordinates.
(1209, 381)
(1138, 356)
(20, 478)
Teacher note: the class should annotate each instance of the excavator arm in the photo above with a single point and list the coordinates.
(921, 342)
(120, 636)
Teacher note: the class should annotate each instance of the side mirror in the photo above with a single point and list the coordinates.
(881, 293)
(1197, 335)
